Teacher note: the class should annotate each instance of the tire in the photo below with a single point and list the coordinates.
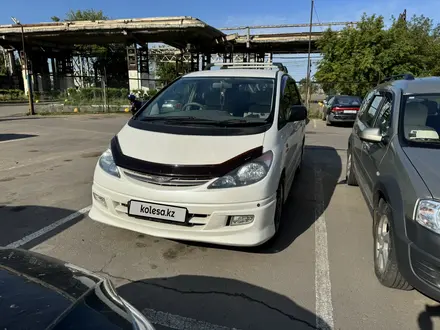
(298, 169)
(384, 250)
(279, 208)
(350, 176)
(327, 121)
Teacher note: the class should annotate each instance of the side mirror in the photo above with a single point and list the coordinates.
(298, 113)
(371, 135)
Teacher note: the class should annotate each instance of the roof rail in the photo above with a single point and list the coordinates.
(405, 76)
(248, 65)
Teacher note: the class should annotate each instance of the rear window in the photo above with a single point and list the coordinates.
(348, 100)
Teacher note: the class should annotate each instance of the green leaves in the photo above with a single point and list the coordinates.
(355, 59)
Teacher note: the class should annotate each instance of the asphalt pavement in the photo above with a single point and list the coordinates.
(318, 274)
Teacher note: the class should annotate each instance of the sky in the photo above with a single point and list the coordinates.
(227, 13)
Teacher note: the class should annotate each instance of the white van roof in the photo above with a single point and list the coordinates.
(254, 73)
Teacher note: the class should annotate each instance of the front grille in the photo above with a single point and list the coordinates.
(165, 180)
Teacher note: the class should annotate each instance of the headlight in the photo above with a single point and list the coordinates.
(428, 214)
(246, 174)
(107, 163)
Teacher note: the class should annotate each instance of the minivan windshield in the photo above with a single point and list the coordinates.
(421, 119)
(212, 100)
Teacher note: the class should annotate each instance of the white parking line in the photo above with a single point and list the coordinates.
(173, 321)
(323, 287)
(314, 123)
(48, 228)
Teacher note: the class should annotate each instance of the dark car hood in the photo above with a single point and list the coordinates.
(427, 163)
(37, 291)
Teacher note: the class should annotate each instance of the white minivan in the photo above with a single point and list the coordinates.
(215, 165)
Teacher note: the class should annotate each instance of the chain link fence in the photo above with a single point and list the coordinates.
(91, 98)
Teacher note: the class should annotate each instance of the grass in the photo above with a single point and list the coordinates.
(315, 111)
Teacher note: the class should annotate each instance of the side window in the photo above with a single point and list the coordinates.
(330, 102)
(383, 120)
(365, 102)
(369, 114)
(284, 103)
(295, 98)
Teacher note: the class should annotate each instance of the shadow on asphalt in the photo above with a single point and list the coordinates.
(13, 136)
(22, 220)
(177, 302)
(301, 211)
(425, 320)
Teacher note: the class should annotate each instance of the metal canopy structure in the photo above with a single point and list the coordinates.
(277, 43)
(178, 32)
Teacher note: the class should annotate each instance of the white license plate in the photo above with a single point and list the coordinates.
(350, 111)
(157, 211)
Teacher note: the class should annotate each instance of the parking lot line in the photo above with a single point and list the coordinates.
(323, 288)
(48, 228)
(179, 322)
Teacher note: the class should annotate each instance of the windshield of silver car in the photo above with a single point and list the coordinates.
(421, 118)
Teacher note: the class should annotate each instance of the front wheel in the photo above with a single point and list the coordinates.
(279, 208)
(385, 259)
(298, 169)
(350, 177)
(327, 121)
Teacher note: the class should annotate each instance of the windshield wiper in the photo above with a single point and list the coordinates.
(239, 122)
(170, 118)
(203, 121)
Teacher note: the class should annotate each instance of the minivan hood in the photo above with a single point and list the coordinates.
(427, 163)
(178, 149)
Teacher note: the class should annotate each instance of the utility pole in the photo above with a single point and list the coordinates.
(26, 69)
(309, 64)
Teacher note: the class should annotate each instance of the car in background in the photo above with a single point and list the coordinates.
(216, 167)
(394, 156)
(341, 109)
(40, 292)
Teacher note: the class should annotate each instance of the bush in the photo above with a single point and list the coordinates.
(12, 95)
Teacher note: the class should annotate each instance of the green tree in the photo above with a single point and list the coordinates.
(302, 86)
(357, 58)
(82, 15)
(168, 71)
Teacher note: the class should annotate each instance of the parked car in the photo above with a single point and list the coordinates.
(341, 109)
(218, 168)
(394, 156)
(40, 292)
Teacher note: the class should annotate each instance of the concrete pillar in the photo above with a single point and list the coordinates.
(139, 77)
(26, 71)
(64, 70)
(10, 60)
(53, 69)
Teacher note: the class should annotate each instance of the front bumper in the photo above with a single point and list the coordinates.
(418, 263)
(206, 222)
(341, 117)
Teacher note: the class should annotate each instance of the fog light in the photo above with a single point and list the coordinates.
(237, 220)
(100, 199)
